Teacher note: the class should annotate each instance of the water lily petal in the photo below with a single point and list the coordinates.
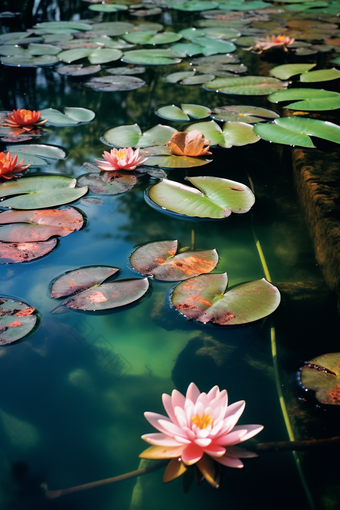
(167, 403)
(170, 428)
(159, 440)
(230, 461)
(193, 393)
(191, 454)
(239, 434)
(203, 441)
(177, 399)
(153, 419)
(215, 450)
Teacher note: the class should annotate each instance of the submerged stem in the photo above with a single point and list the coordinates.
(289, 446)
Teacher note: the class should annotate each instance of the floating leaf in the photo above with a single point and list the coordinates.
(233, 133)
(196, 111)
(285, 71)
(151, 57)
(25, 252)
(301, 93)
(151, 37)
(45, 151)
(29, 61)
(43, 49)
(131, 136)
(297, 131)
(71, 117)
(16, 320)
(173, 112)
(204, 299)
(122, 71)
(40, 225)
(81, 279)
(321, 75)
(78, 70)
(213, 46)
(40, 192)
(215, 197)
(176, 77)
(250, 114)
(172, 161)
(116, 82)
(159, 260)
(104, 55)
(108, 183)
(247, 85)
(188, 49)
(198, 79)
(75, 26)
(194, 5)
(322, 375)
(107, 7)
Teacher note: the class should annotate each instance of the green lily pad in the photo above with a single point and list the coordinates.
(107, 7)
(321, 75)
(71, 117)
(132, 136)
(151, 57)
(322, 375)
(16, 320)
(11, 253)
(233, 133)
(33, 161)
(198, 79)
(194, 5)
(196, 111)
(172, 161)
(297, 131)
(89, 293)
(29, 61)
(173, 112)
(41, 192)
(215, 198)
(246, 85)
(301, 93)
(151, 37)
(104, 55)
(246, 6)
(115, 82)
(73, 25)
(108, 183)
(285, 71)
(43, 49)
(249, 114)
(161, 261)
(13, 36)
(213, 46)
(78, 70)
(205, 299)
(177, 77)
(39, 225)
(8, 50)
(45, 151)
(188, 49)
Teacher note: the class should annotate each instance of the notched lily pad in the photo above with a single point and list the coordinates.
(17, 320)
(132, 136)
(11, 253)
(322, 375)
(250, 114)
(89, 293)
(108, 183)
(159, 260)
(215, 198)
(205, 299)
(247, 85)
(71, 116)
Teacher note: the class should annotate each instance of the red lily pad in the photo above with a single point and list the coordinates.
(108, 183)
(159, 260)
(16, 320)
(322, 375)
(38, 225)
(25, 252)
(204, 299)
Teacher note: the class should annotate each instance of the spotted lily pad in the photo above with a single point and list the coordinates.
(132, 136)
(297, 131)
(322, 375)
(215, 198)
(39, 225)
(25, 252)
(108, 183)
(239, 113)
(16, 320)
(88, 292)
(159, 260)
(40, 192)
(246, 85)
(205, 299)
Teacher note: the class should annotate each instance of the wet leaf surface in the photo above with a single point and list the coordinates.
(113, 83)
(159, 260)
(322, 375)
(204, 299)
(78, 70)
(247, 85)
(16, 320)
(108, 183)
(132, 136)
(25, 252)
(81, 279)
(240, 113)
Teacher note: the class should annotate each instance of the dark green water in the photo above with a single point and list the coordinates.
(73, 393)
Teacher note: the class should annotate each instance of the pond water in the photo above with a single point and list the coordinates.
(75, 390)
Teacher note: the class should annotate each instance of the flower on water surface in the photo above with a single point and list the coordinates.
(26, 119)
(191, 144)
(9, 166)
(122, 159)
(200, 428)
(272, 42)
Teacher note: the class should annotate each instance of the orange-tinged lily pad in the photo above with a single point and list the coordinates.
(159, 259)
(25, 252)
(17, 320)
(81, 279)
(322, 375)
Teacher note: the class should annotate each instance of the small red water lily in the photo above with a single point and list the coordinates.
(122, 159)
(191, 144)
(9, 166)
(26, 119)
(271, 42)
(200, 428)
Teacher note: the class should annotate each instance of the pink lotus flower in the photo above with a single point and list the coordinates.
(272, 42)
(199, 425)
(122, 159)
(9, 165)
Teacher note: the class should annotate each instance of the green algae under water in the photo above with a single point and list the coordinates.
(73, 393)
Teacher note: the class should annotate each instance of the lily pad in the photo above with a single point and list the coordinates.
(177, 77)
(198, 79)
(78, 70)
(322, 375)
(249, 114)
(194, 5)
(108, 183)
(25, 252)
(173, 112)
(45, 151)
(215, 198)
(233, 133)
(159, 260)
(40, 192)
(29, 61)
(286, 71)
(151, 37)
(71, 116)
(107, 7)
(73, 25)
(188, 49)
(301, 93)
(297, 131)
(247, 85)
(40, 225)
(97, 56)
(116, 82)
(132, 136)
(16, 320)
(213, 46)
(205, 299)
(122, 71)
(151, 57)
(92, 295)
(320, 75)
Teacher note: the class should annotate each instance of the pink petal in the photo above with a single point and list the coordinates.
(230, 462)
(178, 400)
(182, 440)
(160, 440)
(214, 450)
(192, 392)
(167, 403)
(191, 454)
(239, 434)
(154, 418)
(203, 441)
(214, 393)
(170, 428)
(232, 416)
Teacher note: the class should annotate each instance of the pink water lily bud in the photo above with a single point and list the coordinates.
(9, 165)
(191, 144)
(122, 159)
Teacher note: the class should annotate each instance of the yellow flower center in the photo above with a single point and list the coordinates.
(121, 154)
(203, 421)
(280, 38)
(27, 113)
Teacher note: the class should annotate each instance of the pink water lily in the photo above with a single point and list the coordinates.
(199, 425)
(122, 159)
